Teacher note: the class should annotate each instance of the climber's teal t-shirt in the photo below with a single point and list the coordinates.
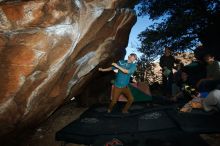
(122, 79)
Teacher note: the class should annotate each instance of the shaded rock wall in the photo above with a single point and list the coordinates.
(50, 49)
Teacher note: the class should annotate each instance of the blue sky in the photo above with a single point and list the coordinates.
(141, 24)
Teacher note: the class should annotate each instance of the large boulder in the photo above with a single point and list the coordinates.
(50, 49)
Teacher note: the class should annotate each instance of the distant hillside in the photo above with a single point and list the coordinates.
(153, 74)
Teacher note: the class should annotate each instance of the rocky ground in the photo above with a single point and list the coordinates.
(45, 134)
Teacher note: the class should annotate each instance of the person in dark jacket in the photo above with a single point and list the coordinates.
(212, 79)
(167, 62)
(186, 88)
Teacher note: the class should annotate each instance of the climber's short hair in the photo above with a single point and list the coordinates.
(135, 55)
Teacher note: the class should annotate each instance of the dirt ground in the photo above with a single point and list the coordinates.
(45, 134)
(211, 139)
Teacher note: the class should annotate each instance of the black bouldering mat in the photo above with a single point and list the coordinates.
(96, 122)
(156, 138)
(197, 121)
(155, 123)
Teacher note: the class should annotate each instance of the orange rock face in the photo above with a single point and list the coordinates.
(49, 49)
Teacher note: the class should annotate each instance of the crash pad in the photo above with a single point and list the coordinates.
(142, 122)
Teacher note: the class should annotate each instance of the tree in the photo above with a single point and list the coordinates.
(183, 24)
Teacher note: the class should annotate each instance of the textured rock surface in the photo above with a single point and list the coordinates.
(49, 49)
